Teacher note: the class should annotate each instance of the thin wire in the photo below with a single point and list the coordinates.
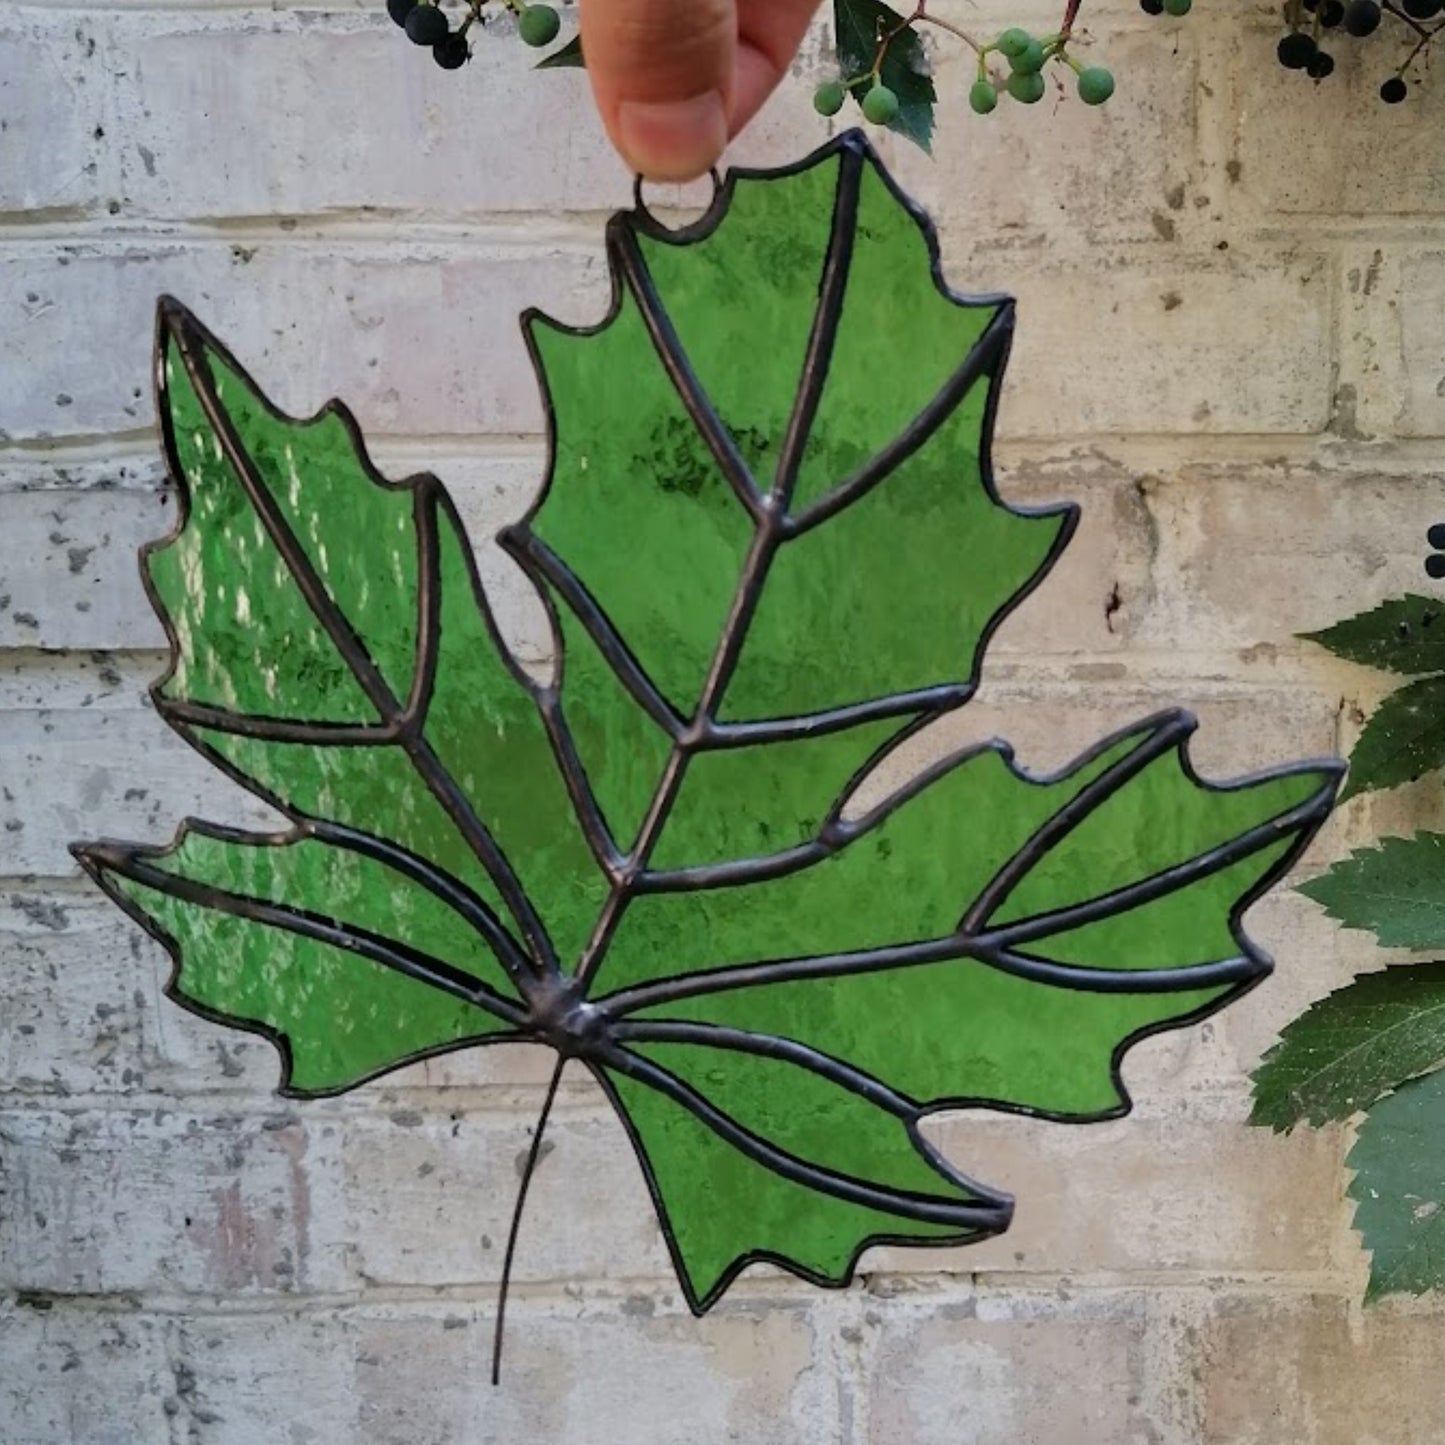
(640, 205)
(530, 1168)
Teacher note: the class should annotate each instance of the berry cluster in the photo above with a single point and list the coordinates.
(1026, 55)
(1313, 23)
(1021, 74)
(426, 24)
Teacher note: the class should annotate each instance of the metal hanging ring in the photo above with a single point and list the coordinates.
(643, 209)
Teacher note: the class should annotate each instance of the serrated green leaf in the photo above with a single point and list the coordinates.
(567, 57)
(1348, 1050)
(1404, 635)
(1399, 1189)
(770, 547)
(1396, 890)
(858, 26)
(1403, 740)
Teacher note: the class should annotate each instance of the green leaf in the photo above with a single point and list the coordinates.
(1347, 1051)
(1397, 636)
(567, 57)
(770, 548)
(1403, 740)
(1399, 1189)
(1396, 890)
(859, 25)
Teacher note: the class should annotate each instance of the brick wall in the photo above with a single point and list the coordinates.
(1230, 352)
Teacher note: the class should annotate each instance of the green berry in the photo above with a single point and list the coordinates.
(1029, 60)
(982, 97)
(1013, 40)
(880, 105)
(426, 25)
(1027, 86)
(1177, 7)
(1096, 85)
(828, 98)
(539, 25)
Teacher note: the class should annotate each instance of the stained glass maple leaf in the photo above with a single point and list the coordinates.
(770, 549)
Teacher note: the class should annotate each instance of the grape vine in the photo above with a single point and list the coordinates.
(1014, 64)
(427, 24)
(883, 67)
(1310, 25)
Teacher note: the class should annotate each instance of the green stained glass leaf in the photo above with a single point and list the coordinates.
(771, 549)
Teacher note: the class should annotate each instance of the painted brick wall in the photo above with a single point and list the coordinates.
(1230, 352)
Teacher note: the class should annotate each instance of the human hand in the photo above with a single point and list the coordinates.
(675, 80)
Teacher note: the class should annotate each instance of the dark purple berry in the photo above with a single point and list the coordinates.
(1152, 7)
(1435, 566)
(452, 53)
(1394, 90)
(1321, 66)
(1296, 51)
(426, 25)
(1331, 13)
(1422, 9)
(400, 9)
(1436, 536)
(1362, 17)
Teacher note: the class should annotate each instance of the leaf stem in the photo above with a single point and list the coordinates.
(534, 1155)
(921, 13)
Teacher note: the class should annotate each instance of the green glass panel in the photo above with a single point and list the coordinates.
(721, 1206)
(245, 638)
(743, 802)
(805, 1115)
(358, 535)
(345, 785)
(491, 742)
(749, 293)
(910, 878)
(489, 736)
(1158, 821)
(926, 545)
(899, 339)
(356, 889)
(637, 506)
(622, 749)
(1023, 1044)
(1179, 930)
(344, 1017)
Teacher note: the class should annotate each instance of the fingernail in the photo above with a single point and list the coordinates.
(673, 140)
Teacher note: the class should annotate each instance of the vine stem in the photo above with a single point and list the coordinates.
(1425, 34)
(534, 1155)
(921, 14)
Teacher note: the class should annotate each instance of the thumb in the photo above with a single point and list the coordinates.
(662, 72)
